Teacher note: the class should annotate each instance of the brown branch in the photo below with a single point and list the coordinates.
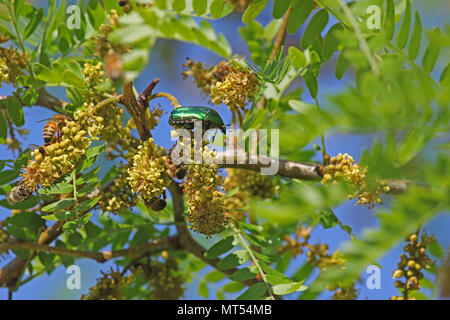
(138, 108)
(147, 248)
(49, 101)
(281, 35)
(295, 170)
(279, 40)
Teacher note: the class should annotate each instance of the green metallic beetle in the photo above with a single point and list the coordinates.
(184, 117)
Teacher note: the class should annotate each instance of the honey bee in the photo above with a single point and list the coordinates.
(53, 125)
(158, 204)
(18, 194)
(176, 171)
(126, 6)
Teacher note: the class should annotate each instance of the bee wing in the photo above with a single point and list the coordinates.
(48, 119)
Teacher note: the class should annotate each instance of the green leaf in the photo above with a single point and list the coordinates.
(244, 274)
(71, 78)
(418, 295)
(331, 41)
(287, 288)
(389, 22)
(64, 39)
(200, 6)
(3, 128)
(15, 111)
(59, 205)
(45, 74)
(253, 228)
(216, 8)
(328, 219)
(296, 57)
(435, 249)
(232, 192)
(414, 142)
(445, 74)
(303, 272)
(95, 151)
(311, 83)
(131, 34)
(300, 11)
(253, 10)
(88, 204)
(255, 292)
(203, 290)
(403, 33)
(214, 276)
(233, 260)
(280, 7)
(57, 188)
(220, 248)
(314, 28)
(342, 64)
(96, 13)
(414, 43)
(233, 287)
(6, 31)
(8, 176)
(61, 216)
(32, 25)
(431, 54)
(179, 5)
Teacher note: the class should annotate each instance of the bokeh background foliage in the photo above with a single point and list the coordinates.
(381, 95)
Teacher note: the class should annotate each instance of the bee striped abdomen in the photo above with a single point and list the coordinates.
(49, 131)
(53, 126)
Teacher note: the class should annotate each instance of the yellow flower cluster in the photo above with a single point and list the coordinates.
(4, 235)
(62, 156)
(118, 195)
(104, 47)
(411, 265)
(109, 287)
(3, 38)
(164, 279)
(251, 185)
(114, 132)
(236, 90)
(12, 64)
(318, 256)
(148, 176)
(93, 73)
(344, 167)
(294, 245)
(224, 83)
(205, 200)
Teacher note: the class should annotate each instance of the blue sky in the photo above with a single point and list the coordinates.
(165, 63)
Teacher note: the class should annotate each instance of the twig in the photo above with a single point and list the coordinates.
(151, 247)
(168, 96)
(279, 40)
(364, 46)
(322, 134)
(255, 261)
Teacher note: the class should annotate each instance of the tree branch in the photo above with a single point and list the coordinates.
(292, 169)
(148, 248)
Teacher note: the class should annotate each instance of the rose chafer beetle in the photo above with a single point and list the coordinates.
(184, 117)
